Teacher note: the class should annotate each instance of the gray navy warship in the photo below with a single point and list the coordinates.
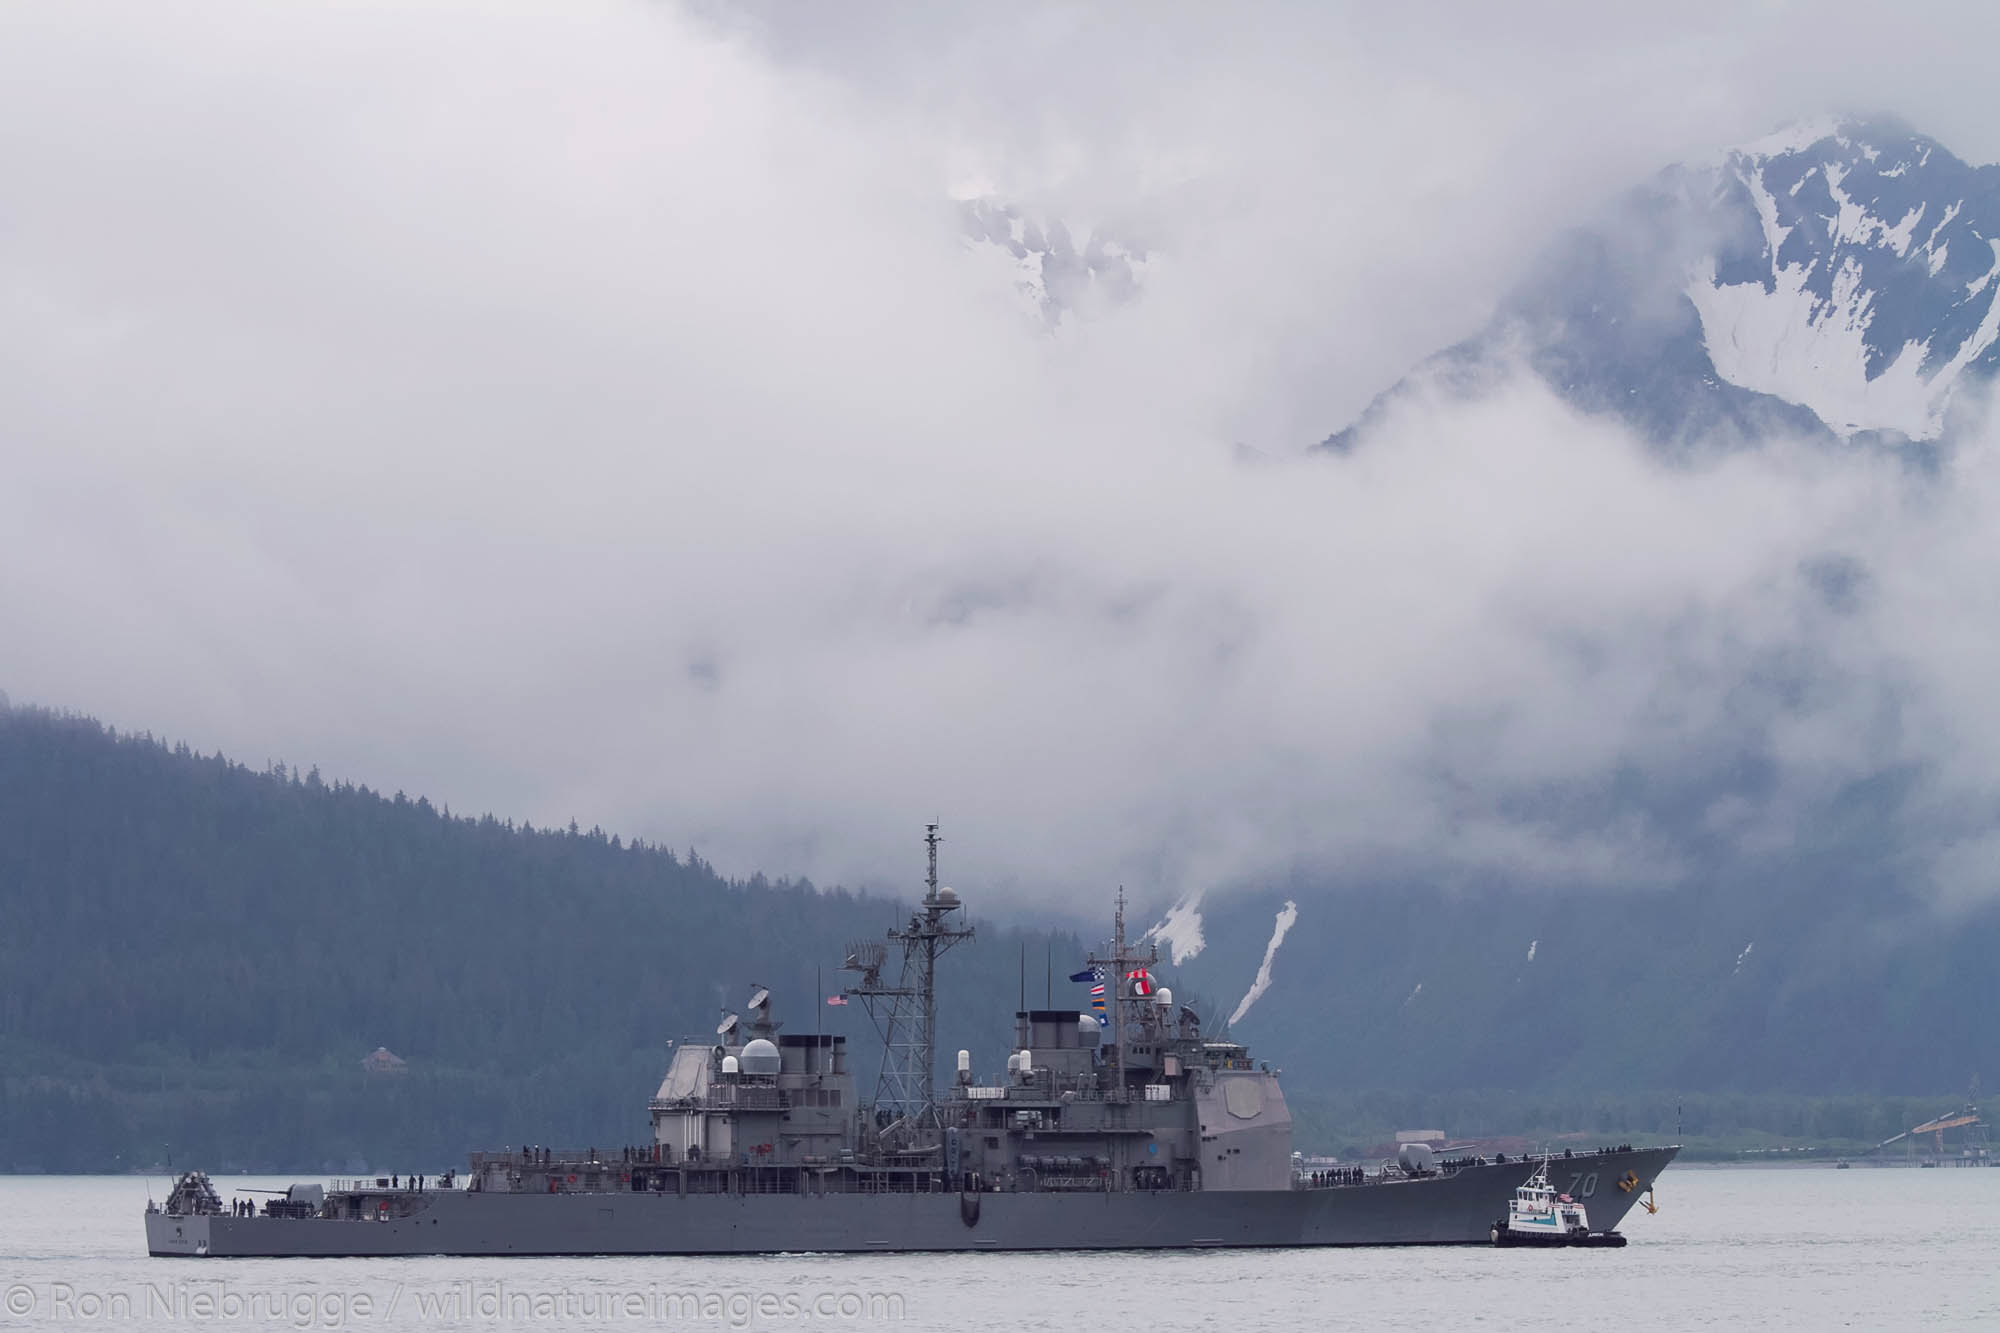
(1128, 1129)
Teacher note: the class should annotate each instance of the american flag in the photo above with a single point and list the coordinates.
(836, 999)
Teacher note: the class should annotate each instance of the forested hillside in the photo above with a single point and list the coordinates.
(198, 954)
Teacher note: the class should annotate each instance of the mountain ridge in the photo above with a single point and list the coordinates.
(1838, 280)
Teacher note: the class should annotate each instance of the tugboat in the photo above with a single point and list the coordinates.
(1537, 1215)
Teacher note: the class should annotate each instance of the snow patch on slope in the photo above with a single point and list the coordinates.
(1286, 916)
(1803, 332)
(1180, 931)
(1988, 330)
(1040, 263)
(1853, 223)
(1790, 343)
(1984, 280)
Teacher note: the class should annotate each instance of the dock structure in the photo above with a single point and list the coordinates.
(1926, 1144)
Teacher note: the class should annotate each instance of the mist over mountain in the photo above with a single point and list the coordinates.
(1833, 280)
(678, 458)
(1044, 265)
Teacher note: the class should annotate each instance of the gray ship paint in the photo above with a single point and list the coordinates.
(1137, 1133)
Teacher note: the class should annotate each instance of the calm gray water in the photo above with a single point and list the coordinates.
(1806, 1249)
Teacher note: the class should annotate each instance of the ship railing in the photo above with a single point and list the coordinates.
(600, 1158)
(1036, 1092)
(727, 1097)
(360, 1184)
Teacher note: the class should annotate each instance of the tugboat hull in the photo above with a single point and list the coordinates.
(1504, 1235)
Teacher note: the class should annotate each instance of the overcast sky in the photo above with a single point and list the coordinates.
(589, 410)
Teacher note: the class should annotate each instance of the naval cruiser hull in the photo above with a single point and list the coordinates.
(1454, 1209)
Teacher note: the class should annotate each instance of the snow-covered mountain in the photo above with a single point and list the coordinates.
(1042, 264)
(1840, 277)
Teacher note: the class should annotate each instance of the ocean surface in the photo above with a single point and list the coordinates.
(1730, 1248)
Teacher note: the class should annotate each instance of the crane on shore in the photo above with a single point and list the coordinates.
(1977, 1134)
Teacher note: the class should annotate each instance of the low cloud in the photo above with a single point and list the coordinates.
(589, 412)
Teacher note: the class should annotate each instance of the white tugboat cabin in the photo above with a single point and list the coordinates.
(1537, 1215)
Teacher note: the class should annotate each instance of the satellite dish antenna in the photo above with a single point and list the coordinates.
(761, 998)
(726, 1026)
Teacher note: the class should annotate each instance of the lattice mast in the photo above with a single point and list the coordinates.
(1121, 984)
(906, 1013)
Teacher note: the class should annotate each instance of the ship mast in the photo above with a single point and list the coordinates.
(1121, 964)
(1118, 990)
(906, 1013)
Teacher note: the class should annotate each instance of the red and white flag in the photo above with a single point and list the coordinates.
(836, 999)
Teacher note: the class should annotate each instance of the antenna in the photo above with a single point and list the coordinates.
(1121, 964)
(906, 1014)
(1118, 990)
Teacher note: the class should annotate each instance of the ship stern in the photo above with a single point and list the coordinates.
(172, 1236)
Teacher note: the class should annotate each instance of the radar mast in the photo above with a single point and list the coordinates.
(1122, 984)
(906, 1013)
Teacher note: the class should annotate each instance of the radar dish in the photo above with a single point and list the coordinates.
(761, 998)
(726, 1026)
